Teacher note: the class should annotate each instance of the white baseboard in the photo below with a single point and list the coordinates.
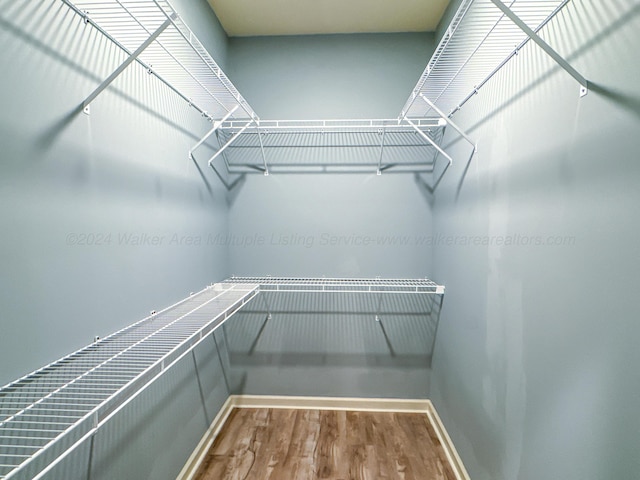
(445, 440)
(324, 403)
(331, 403)
(190, 469)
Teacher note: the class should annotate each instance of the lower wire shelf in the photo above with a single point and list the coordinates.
(45, 415)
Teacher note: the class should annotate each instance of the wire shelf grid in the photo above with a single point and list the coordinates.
(345, 145)
(55, 406)
(177, 57)
(340, 285)
(478, 42)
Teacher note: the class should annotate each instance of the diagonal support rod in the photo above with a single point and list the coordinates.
(128, 61)
(544, 45)
(264, 157)
(216, 126)
(450, 122)
(437, 147)
(231, 140)
(379, 171)
(431, 141)
(224, 154)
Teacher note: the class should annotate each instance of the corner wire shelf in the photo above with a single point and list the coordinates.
(155, 36)
(482, 37)
(340, 285)
(46, 414)
(330, 146)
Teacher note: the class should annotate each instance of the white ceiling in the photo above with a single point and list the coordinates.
(307, 17)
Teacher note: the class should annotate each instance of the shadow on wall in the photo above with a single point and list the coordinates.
(326, 334)
(625, 100)
(628, 102)
(85, 39)
(233, 185)
(428, 189)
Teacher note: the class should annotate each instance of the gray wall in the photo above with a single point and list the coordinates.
(333, 225)
(322, 344)
(534, 370)
(329, 225)
(535, 365)
(76, 189)
(73, 189)
(328, 76)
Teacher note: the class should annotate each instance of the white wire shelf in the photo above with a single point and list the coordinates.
(340, 285)
(51, 411)
(335, 125)
(343, 312)
(322, 146)
(176, 56)
(478, 42)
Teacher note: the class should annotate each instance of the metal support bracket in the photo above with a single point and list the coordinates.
(216, 125)
(231, 140)
(224, 154)
(383, 133)
(450, 122)
(584, 83)
(438, 148)
(431, 141)
(264, 157)
(127, 62)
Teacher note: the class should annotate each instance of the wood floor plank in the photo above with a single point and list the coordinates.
(327, 450)
(277, 445)
(399, 465)
(288, 444)
(419, 426)
(380, 448)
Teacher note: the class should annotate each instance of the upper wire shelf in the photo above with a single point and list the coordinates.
(478, 42)
(335, 125)
(340, 285)
(48, 413)
(176, 56)
(324, 146)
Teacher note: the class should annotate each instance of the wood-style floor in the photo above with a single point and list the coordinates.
(283, 444)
